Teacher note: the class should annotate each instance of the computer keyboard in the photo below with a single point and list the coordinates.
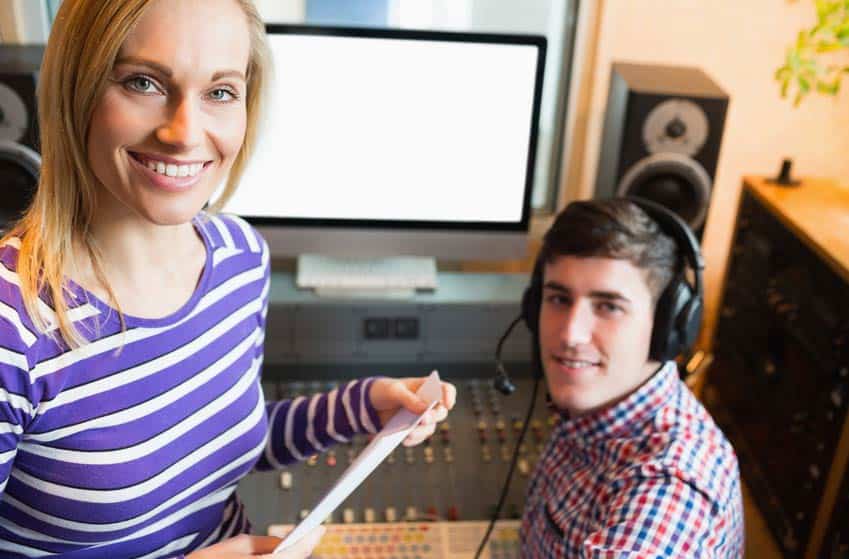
(398, 273)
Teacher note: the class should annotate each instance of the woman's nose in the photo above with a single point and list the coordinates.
(183, 127)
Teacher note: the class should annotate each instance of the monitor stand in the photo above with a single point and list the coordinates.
(391, 277)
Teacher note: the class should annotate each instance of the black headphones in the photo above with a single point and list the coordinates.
(678, 313)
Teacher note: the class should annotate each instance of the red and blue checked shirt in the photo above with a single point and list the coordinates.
(651, 476)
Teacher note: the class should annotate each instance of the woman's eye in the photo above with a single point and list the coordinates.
(222, 94)
(141, 84)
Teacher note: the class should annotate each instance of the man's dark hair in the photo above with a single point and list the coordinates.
(614, 228)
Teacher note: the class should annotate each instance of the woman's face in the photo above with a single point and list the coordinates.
(172, 118)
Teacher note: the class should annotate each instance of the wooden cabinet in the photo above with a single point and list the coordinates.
(779, 384)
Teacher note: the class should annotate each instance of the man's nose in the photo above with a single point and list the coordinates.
(577, 325)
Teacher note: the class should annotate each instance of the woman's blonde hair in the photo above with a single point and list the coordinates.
(81, 51)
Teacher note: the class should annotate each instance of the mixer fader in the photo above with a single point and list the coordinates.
(447, 487)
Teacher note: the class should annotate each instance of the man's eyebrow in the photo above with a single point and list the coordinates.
(599, 294)
(166, 71)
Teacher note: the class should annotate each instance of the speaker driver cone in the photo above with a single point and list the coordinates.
(674, 180)
(19, 167)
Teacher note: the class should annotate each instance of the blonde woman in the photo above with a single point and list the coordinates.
(131, 321)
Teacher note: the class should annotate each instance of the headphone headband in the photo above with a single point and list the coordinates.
(672, 224)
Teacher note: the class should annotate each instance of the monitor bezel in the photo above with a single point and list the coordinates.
(522, 225)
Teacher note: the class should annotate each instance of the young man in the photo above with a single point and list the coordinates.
(636, 468)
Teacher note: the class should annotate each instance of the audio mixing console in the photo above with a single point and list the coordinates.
(432, 500)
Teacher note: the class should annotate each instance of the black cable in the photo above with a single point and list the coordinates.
(502, 382)
(506, 487)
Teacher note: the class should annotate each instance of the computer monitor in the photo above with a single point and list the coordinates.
(396, 142)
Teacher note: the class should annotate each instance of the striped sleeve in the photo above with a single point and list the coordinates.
(16, 407)
(304, 426)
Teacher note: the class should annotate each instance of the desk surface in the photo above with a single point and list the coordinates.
(817, 211)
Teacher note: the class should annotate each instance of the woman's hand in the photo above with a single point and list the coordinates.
(388, 395)
(244, 545)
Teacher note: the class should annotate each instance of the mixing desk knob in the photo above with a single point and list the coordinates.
(518, 424)
(444, 426)
(500, 425)
(449, 456)
(369, 515)
(348, 516)
(412, 514)
(481, 425)
(453, 513)
(505, 453)
(312, 460)
(391, 516)
(286, 479)
(303, 514)
(524, 468)
(331, 459)
(432, 513)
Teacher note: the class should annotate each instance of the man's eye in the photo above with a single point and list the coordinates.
(609, 307)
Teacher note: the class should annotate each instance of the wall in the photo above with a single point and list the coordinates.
(739, 44)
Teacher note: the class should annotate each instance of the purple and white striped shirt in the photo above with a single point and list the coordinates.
(132, 445)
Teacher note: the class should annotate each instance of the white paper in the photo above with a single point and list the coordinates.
(392, 434)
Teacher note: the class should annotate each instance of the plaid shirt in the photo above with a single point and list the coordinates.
(651, 476)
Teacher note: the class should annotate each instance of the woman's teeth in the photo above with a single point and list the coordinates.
(173, 170)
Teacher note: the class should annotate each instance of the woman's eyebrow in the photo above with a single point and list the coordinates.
(166, 71)
(136, 61)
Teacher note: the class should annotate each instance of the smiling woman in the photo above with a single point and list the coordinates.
(132, 320)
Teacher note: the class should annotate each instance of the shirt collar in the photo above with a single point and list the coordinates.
(627, 415)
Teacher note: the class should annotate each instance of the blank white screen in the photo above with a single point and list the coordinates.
(392, 129)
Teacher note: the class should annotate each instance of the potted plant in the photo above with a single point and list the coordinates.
(813, 62)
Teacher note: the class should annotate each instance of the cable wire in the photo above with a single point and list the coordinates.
(506, 486)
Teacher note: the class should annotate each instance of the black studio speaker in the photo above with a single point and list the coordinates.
(19, 148)
(662, 131)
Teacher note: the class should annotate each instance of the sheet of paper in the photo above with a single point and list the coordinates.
(392, 434)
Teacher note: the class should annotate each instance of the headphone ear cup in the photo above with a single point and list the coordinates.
(532, 299)
(690, 322)
(530, 307)
(668, 338)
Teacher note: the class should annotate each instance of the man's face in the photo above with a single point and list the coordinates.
(595, 330)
